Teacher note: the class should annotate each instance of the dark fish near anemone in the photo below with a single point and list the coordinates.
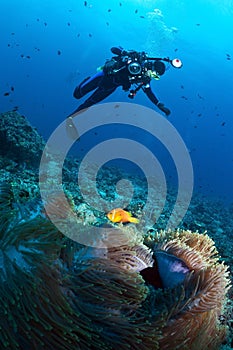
(172, 270)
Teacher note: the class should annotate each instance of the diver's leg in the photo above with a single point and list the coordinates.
(98, 95)
(87, 85)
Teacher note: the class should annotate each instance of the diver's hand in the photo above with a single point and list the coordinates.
(163, 108)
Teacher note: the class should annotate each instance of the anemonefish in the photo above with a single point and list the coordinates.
(121, 215)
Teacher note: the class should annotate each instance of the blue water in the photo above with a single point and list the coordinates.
(65, 41)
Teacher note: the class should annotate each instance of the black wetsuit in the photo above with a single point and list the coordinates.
(105, 84)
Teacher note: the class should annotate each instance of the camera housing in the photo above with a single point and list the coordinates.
(134, 68)
(138, 64)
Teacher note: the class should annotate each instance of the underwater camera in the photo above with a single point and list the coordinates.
(134, 68)
(137, 65)
(137, 68)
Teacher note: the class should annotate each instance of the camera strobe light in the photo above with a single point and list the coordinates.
(176, 62)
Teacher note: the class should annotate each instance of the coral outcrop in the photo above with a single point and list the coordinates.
(19, 141)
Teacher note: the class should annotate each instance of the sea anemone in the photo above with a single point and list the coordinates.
(152, 294)
(195, 321)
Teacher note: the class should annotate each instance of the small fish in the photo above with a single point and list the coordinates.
(85, 3)
(59, 52)
(6, 94)
(121, 215)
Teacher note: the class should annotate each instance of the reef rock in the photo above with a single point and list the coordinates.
(19, 141)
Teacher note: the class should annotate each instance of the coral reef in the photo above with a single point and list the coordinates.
(58, 294)
(19, 141)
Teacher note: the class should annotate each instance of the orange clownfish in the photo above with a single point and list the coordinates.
(120, 215)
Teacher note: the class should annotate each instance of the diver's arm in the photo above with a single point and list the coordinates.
(148, 91)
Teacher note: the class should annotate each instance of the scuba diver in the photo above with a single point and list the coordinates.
(126, 68)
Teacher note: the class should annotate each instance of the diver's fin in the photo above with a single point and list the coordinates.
(71, 129)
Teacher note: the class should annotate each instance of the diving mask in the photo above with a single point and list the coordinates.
(153, 74)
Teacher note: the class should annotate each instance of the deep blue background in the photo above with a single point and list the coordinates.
(200, 95)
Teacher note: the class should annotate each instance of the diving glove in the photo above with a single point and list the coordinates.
(163, 108)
